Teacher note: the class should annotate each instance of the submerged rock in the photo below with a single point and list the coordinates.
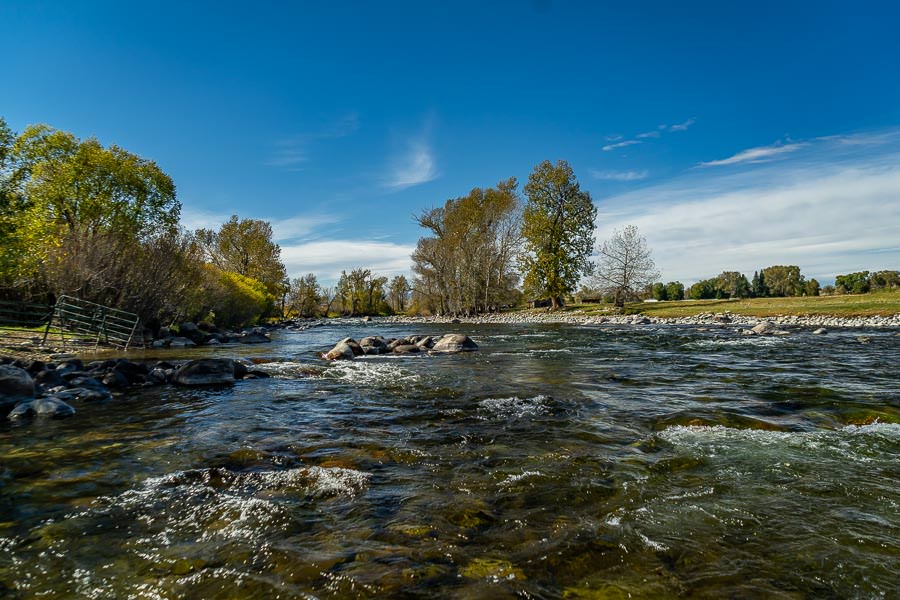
(820, 331)
(42, 407)
(208, 371)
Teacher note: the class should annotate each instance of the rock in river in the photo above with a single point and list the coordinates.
(208, 371)
(454, 342)
(42, 407)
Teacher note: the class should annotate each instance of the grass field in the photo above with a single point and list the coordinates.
(863, 305)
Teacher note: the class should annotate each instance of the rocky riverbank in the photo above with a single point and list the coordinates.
(31, 388)
(574, 318)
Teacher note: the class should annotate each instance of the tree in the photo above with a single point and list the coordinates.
(783, 280)
(466, 265)
(884, 280)
(558, 231)
(853, 283)
(675, 290)
(758, 288)
(625, 265)
(811, 288)
(304, 296)
(245, 247)
(658, 291)
(398, 292)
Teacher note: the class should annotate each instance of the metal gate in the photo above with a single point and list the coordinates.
(93, 323)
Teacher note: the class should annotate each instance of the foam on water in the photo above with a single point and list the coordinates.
(381, 371)
(515, 407)
(752, 341)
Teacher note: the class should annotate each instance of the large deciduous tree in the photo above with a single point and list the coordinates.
(625, 265)
(558, 231)
(245, 247)
(466, 265)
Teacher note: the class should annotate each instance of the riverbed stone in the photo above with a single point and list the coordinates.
(454, 342)
(79, 394)
(181, 342)
(42, 407)
(764, 328)
(15, 382)
(254, 338)
(406, 349)
(341, 351)
(207, 371)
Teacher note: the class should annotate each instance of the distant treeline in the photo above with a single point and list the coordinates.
(774, 282)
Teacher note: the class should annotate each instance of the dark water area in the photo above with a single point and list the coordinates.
(557, 461)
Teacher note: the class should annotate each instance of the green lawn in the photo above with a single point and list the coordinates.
(862, 305)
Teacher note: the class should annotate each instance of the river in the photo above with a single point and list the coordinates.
(557, 461)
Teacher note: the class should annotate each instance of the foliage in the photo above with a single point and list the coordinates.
(466, 265)
(361, 293)
(728, 284)
(783, 280)
(304, 296)
(558, 231)
(398, 294)
(245, 247)
(232, 299)
(625, 265)
(675, 290)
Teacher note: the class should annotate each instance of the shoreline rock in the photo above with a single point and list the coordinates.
(449, 343)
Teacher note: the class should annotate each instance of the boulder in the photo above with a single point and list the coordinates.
(454, 342)
(406, 349)
(357, 349)
(42, 407)
(764, 328)
(49, 378)
(181, 342)
(207, 371)
(341, 351)
(15, 382)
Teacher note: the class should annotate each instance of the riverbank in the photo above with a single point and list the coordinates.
(701, 319)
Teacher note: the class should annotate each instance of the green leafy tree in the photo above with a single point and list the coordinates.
(659, 291)
(558, 231)
(245, 247)
(884, 280)
(398, 293)
(812, 288)
(675, 290)
(853, 283)
(305, 295)
(783, 280)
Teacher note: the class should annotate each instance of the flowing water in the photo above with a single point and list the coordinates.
(557, 461)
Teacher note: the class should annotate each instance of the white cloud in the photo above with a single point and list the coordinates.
(292, 228)
(683, 126)
(620, 175)
(756, 155)
(829, 213)
(414, 166)
(609, 147)
(328, 258)
(192, 219)
(648, 134)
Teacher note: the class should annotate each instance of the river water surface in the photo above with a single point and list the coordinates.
(557, 461)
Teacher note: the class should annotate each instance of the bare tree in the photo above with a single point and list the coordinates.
(625, 266)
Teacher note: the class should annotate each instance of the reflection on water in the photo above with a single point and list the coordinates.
(576, 462)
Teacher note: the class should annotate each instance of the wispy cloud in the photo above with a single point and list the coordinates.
(830, 209)
(620, 175)
(300, 226)
(683, 126)
(624, 144)
(645, 135)
(414, 164)
(328, 258)
(756, 155)
(292, 151)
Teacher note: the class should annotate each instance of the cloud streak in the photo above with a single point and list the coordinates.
(756, 155)
(414, 166)
(293, 151)
(618, 145)
(620, 175)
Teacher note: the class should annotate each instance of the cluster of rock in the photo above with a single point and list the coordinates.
(205, 334)
(449, 343)
(33, 387)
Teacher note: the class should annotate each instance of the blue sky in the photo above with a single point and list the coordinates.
(735, 135)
